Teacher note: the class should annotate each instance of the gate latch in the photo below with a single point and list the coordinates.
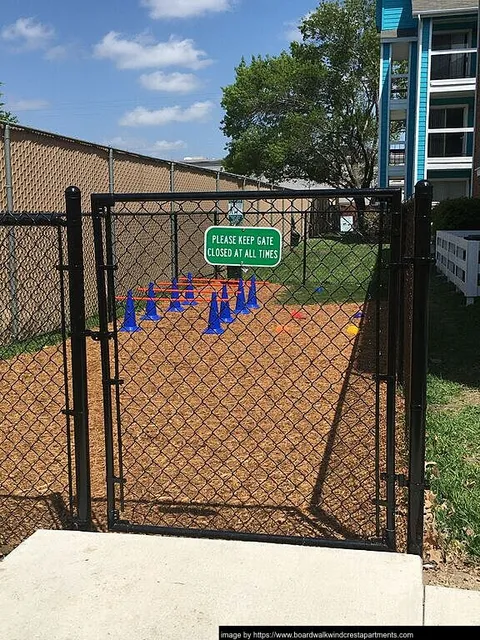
(97, 335)
(400, 478)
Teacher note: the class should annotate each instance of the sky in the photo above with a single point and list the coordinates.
(141, 75)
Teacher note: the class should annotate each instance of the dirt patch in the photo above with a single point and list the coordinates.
(268, 428)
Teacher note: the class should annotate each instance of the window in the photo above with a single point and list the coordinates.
(447, 41)
(447, 145)
(446, 118)
(444, 190)
(451, 65)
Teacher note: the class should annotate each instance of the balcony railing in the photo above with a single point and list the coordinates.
(397, 155)
(450, 143)
(453, 65)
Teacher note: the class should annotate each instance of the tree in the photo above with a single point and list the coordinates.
(6, 116)
(311, 112)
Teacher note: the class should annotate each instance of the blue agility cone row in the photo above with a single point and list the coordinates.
(151, 306)
(129, 320)
(252, 302)
(225, 313)
(214, 326)
(189, 293)
(175, 304)
(241, 306)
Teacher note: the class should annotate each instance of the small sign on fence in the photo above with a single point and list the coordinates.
(243, 246)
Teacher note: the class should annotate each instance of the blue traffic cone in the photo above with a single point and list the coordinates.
(151, 306)
(225, 313)
(214, 326)
(359, 314)
(175, 298)
(129, 321)
(240, 306)
(189, 294)
(252, 302)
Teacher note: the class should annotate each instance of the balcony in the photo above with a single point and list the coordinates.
(396, 160)
(453, 70)
(450, 148)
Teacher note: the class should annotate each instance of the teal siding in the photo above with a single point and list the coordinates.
(412, 121)
(384, 132)
(423, 98)
(397, 14)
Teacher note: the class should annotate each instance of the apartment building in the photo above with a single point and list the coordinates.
(428, 72)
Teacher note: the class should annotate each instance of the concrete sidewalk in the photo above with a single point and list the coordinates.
(61, 585)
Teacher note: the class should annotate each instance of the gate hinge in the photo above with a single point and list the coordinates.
(62, 267)
(110, 267)
(379, 502)
(98, 335)
(115, 381)
(117, 480)
(383, 377)
(68, 412)
(399, 478)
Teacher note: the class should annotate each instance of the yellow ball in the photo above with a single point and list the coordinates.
(352, 330)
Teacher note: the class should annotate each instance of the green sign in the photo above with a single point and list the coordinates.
(243, 246)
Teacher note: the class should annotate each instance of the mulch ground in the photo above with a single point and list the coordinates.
(268, 428)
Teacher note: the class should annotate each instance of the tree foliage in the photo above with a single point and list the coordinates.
(6, 116)
(311, 112)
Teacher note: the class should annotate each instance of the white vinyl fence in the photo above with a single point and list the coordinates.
(458, 257)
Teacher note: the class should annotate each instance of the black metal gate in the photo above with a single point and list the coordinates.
(279, 425)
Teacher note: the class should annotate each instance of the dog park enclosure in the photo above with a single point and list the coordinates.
(284, 426)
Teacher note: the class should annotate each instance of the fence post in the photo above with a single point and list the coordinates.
(76, 286)
(173, 225)
(12, 245)
(216, 269)
(418, 378)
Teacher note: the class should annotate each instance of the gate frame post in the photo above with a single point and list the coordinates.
(76, 286)
(419, 362)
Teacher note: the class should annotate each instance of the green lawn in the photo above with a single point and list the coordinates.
(343, 270)
(453, 415)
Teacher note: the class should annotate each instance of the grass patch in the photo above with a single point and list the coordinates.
(35, 343)
(453, 445)
(453, 415)
(336, 271)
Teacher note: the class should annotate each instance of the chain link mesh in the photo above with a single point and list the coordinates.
(276, 426)
(35, 446)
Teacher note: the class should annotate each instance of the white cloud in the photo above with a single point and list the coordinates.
(292, 28)
(35, 104)
(138, 145)
(170, 82)
(292, 32)
(28, 34)
(141, 117)
(184, 8)
(142, 53)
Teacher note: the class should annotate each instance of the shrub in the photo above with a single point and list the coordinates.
(455, 214)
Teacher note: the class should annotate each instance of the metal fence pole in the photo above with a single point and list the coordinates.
(79, 355)
(12, 244)
(173, 225)
(111, 189)
(216, 269)
(418, 378)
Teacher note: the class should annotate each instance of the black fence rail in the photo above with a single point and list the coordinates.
(239, 376)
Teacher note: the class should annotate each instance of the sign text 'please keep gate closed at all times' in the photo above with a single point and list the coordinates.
(243, 246)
